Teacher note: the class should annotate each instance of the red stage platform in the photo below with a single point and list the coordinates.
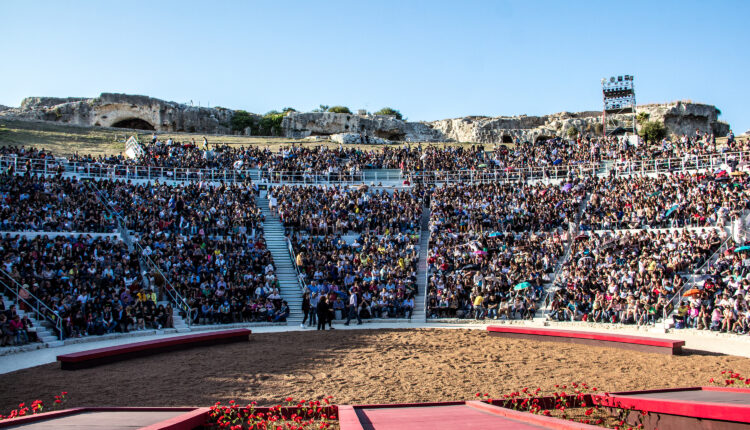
(706, 408)
(638, 343)
(445, 416)
(95, 357)
(112, 419)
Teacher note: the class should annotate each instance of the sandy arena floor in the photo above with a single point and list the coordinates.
(363, 366)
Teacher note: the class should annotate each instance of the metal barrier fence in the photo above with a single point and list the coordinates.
(40, 309)
(510, 174)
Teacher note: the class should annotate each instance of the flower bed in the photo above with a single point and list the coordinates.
(578, 402)
(36, 407)
(293, 415)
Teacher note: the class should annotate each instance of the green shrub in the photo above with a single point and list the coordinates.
(652, 131)
(642, 117)
(241, 120)
(390, 111)
(339, 109)
(572, 132)
(598, 128)
(270, 124)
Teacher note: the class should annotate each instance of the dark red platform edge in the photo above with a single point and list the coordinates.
(192, 418)
(703, 410)
(348, 419)
(94, 357)
(640, 343)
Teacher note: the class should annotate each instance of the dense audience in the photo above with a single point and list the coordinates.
(489, 239)
(93, 284)
(506, 207)
(494, 246)
(380, 271)
(721, 302)
(489, 273)
(675, 200)
(194, 208)
(628, 277)
(36, 203)
(322, 210)
(374, 271)
(225, 280)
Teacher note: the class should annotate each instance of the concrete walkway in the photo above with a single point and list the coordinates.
(694, 340)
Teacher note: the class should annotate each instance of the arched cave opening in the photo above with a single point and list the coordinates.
(507, 139)
(390, 135)
(136, 123)
(542, 139)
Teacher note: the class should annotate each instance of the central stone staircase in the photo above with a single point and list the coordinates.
(273, 231)
(420, 313)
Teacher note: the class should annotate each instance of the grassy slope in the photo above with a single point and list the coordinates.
(67, 139)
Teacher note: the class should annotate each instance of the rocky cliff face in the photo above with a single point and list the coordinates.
(123, 110)
(685, 118)
(132, 111)
(299, 125)
(679, 118)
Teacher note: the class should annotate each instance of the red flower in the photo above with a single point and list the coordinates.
(289, 399)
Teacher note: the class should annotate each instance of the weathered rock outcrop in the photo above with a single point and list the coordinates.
(507, 129)
(123, 110)
(299, 125)
(131, 111)
(685, 118)
(679, 118)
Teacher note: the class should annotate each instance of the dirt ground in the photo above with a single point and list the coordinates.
(360, 366)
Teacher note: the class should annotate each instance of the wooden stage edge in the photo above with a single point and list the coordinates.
(636, 343)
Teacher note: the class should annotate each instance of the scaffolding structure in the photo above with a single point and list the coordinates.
(618, 116)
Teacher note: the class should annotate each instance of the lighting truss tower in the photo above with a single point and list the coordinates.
(618, 116)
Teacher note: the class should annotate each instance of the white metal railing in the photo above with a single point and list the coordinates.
(39, 307)
(127, 171)
(297, 270)
(709, 162)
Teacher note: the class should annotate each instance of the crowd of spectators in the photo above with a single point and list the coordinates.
(506, 207)
(629, 276)
(721, 302)
(92, 284)
(489, 274)
(379, 271)
(322, 210)
(356, 246)
(493, 246)
(207, 239)
(193, 208)
(224, 280)
(670, 200)
(38, 203)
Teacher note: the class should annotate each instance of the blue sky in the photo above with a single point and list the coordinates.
(429, 59)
